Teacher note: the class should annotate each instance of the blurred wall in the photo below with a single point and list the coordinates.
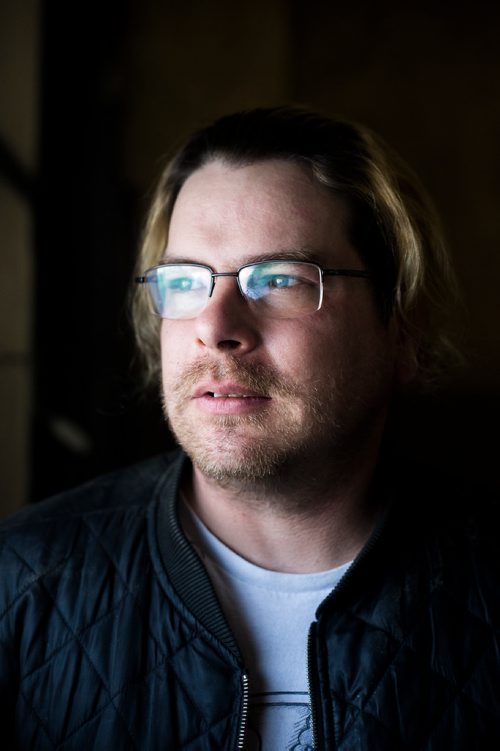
(426, 76)
(19, 60)
(121, 87)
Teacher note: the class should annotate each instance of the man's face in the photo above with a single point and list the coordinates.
(251, 397)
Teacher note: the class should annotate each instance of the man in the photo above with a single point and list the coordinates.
(282, 582)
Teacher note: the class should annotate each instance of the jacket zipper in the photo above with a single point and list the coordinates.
(340, 586)
(244, 712)
(314, 724)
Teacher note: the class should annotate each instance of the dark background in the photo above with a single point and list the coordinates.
(122, 82)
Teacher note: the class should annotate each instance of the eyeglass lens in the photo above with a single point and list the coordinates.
(276, 289)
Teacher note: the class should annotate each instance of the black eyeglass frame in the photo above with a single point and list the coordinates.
(360, 273)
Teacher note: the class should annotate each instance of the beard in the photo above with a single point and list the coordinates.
(300, 426)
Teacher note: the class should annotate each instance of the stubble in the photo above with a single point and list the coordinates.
(254, 448)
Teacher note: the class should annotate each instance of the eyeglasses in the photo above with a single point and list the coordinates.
(273, 289)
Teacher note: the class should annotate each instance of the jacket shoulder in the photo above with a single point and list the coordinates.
(120, 488)
(66, 531)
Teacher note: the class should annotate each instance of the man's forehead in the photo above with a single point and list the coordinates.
(271, 209)
(259, 186)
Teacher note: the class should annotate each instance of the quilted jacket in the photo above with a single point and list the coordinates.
(111, 636)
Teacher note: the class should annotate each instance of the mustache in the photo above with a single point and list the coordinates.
(253, 376)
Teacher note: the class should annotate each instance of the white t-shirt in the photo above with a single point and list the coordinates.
(270, 614)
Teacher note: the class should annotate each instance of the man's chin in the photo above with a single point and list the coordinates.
(251, 450)
(235, 467)
(241, 459)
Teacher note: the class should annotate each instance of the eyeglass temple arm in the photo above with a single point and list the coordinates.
(346, 272)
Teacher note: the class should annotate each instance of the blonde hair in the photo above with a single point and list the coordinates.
(393, 224)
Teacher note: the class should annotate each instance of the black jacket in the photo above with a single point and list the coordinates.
(111, 636)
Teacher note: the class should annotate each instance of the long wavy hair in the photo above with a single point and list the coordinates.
(393, 224)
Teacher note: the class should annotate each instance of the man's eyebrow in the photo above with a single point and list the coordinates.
(288, 254)
(168, 259)
(285, 254)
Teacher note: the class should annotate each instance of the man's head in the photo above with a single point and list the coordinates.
(392, 223)
(285, 184)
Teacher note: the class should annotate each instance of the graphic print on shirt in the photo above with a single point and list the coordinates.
(279, 722)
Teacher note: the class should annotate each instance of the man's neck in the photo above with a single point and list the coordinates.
(314, 527)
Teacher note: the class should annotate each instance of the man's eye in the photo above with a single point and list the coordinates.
(182, 284)
(274, 281)
(281, 281)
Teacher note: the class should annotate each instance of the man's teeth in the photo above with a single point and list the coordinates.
(230, 396)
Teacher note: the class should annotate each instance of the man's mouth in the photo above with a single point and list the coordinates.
(217, 395)
(227, 391)
(229, 398)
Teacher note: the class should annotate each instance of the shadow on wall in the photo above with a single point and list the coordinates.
(446, 433)
(451, 433)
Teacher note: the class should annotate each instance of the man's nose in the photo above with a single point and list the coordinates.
(227, 323)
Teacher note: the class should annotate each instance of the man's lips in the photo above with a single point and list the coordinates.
(214, 390)
(228, 399)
